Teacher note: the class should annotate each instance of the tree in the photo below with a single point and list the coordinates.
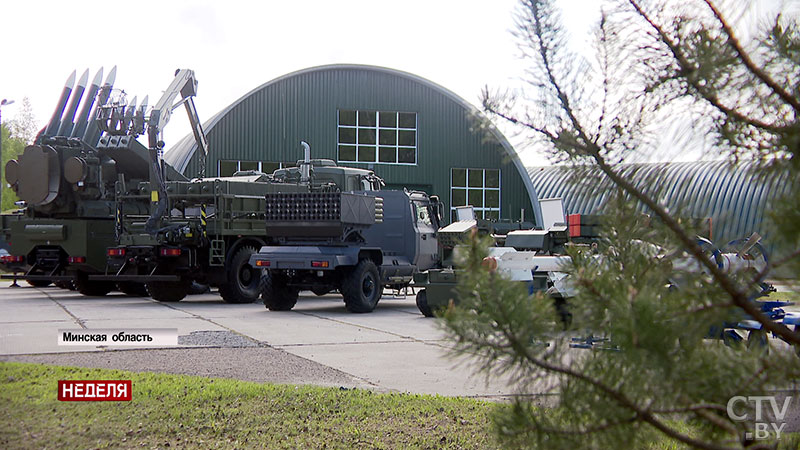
(23, 126)
(658, 374)
(12, 148)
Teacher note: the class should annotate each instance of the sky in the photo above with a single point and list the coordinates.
(235, 46)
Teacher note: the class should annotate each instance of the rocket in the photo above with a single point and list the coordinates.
(55, 120)
(75, 98)
(92, 133)
(81, 123)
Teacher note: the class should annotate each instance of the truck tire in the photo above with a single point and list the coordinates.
(92, 288)
(132, 288)
(39, 283)
(244, 281)
(277, 295)
(361, 288)
(168, 291)
(422, 304)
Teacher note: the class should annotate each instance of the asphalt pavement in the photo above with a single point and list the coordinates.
(393, 349)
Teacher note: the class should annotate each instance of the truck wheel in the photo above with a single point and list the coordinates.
(132, 288)
(168, 291)
(277, 295)
(39, 283)
(244, 280)
(422, 304)
(361, 288)
(92, 288)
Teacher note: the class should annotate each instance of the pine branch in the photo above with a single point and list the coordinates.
(737, 296)
(621, 399)
(588, 147)
(745, 58)
(686, 71)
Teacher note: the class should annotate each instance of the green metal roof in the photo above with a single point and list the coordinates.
(737, 197)
(267, 124)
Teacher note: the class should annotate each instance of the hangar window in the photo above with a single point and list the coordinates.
(382, 137)
(228, 167)
(477, 187)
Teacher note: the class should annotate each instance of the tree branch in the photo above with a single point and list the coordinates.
(687, 68)
(738, 297)
(614, 394)
(745, 58)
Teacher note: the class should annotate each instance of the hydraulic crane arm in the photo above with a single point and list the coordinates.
(185, 86)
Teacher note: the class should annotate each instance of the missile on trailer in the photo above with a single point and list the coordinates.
(55, 120)
(82, 122)
(75, 98)
(137, 126)
(92, 133)
(127, 118)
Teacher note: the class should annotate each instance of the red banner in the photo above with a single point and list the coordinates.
(95, 390)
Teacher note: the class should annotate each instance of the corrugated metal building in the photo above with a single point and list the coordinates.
(735, 196)
(410, 131)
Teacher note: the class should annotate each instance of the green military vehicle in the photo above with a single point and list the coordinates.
(438, 285)
(205, 230)
(357, 242)
(65, 181)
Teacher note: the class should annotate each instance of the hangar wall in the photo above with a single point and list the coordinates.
(735, 196)
(410, 131)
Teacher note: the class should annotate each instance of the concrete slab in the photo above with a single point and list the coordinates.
(31, 312)
(295, 328)
(408, 366)
(33, 337)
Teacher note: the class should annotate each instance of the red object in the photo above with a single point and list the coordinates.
(262, 263)
(116, 252)
(12, 259)
(170, 252)
(95, 390)
(574, 222)
(77, 259)
(321, 264)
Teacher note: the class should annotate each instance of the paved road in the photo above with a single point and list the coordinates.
(392, 349)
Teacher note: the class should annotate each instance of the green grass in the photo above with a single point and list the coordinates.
(785, 296)
(196, 412)
(178, 411)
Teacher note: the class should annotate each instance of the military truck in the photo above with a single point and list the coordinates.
(65, 181)
(438, 285)
(206, 229)
(357, 242)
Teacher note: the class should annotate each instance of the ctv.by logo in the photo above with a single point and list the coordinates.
(765, 423)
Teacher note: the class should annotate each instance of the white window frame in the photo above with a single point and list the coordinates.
(483, 189)
(240, 161)
(377, 129)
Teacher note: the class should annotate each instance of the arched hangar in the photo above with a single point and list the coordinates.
(736, 197)
(412, 132)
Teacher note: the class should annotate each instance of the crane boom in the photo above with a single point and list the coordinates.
(184, 85)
